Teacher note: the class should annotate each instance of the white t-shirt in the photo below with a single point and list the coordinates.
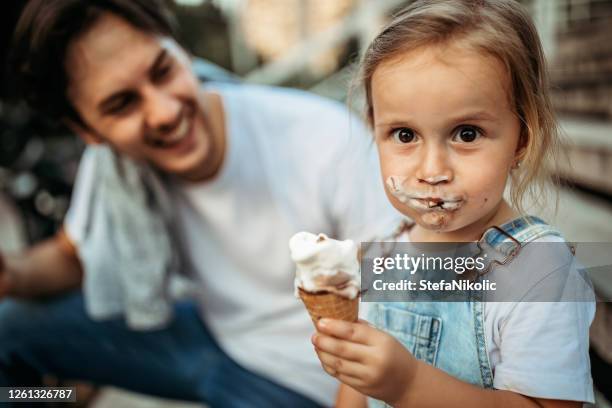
(539, 349)
(294, 162)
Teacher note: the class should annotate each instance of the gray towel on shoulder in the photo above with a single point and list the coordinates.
(127, 251)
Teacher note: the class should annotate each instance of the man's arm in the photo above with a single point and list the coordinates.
(47, 268)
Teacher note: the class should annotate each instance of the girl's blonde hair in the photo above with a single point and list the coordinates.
(499, 28)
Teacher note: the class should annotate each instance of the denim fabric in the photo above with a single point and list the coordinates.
(450, 335)
(523, 229)
(181, 362)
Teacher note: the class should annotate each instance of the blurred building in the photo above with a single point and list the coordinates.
(274, 27)
(582, 65)
(581, 73)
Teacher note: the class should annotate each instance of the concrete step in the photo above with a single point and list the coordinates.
(111, 397)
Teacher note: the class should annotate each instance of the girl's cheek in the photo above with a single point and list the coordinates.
(488, 190)
(484, 201)
(397, 162)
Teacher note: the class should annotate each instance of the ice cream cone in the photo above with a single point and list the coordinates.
(331, 305)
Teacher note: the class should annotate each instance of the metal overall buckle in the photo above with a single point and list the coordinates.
(513, 253)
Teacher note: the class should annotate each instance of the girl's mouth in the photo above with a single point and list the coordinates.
(420, 200)
(433, 203)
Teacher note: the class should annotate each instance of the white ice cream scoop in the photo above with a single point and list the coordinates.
(325, 265)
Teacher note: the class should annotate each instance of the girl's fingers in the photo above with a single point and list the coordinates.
(336, 366)
(350, 380)
(341, 348)
(354, 332)
(330, 370)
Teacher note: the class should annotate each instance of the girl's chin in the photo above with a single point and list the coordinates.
(436, 220)
(439, 222)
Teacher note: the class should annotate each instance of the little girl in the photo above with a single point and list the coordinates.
(457, 97)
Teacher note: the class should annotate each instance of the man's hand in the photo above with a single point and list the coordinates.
(50, 267)
(369, 360)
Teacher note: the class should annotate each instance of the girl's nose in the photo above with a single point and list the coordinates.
(162, 111)
(434, 167)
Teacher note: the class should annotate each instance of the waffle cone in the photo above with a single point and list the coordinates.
(327, 304)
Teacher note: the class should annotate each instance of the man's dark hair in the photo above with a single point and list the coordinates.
(45, 30)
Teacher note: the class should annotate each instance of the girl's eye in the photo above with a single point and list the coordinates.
(467, 134)
(403, 135)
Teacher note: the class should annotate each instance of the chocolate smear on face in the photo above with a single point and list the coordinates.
(435, 219)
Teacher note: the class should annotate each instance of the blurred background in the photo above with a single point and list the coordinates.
(313, 45)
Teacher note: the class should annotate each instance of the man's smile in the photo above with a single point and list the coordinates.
(182, 131)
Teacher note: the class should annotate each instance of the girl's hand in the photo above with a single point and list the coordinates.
(367, 359)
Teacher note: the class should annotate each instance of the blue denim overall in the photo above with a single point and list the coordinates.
(450, 335)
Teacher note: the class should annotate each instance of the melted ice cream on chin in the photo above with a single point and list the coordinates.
(435, 219)
(325, 265)
(435, 208)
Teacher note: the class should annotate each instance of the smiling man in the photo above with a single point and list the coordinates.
(247, 167)
(143, 99)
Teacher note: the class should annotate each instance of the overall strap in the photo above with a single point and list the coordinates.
(522, 230)
(509, 238)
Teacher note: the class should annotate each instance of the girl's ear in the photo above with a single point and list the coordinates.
(519, 154)
(89, 136)
(521, 148)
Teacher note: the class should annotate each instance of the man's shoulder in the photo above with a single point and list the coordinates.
(291, 118)
(281, 102)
